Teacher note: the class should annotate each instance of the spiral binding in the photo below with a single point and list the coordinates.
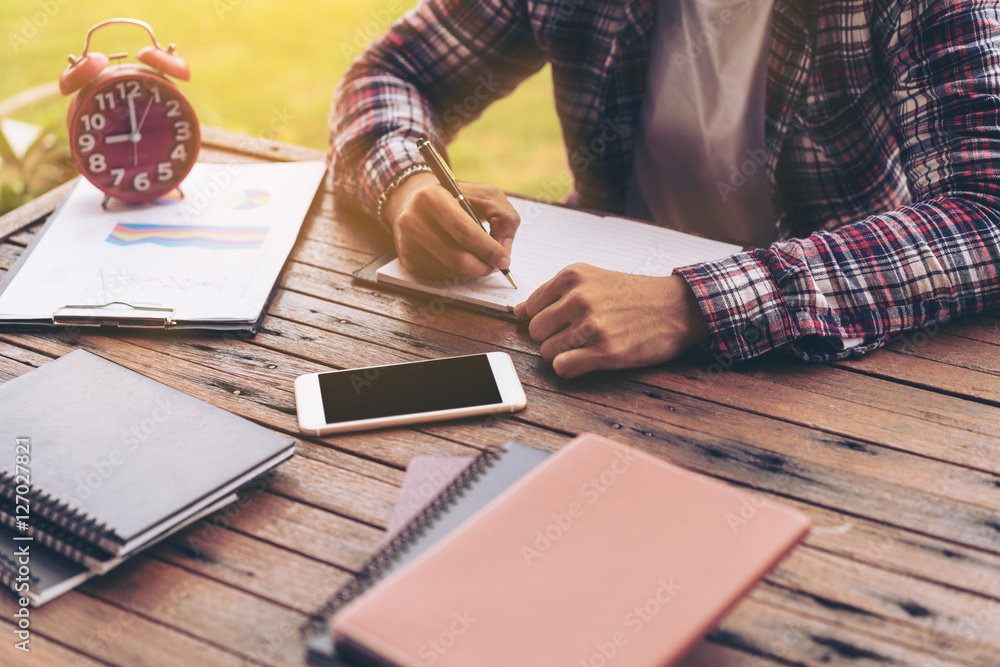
(399, 545)
(58, 514)
(62, 542)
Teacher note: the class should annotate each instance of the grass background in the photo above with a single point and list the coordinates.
(254, 62)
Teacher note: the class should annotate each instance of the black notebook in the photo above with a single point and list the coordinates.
(101, 461)
(483, 480)
(50, 574)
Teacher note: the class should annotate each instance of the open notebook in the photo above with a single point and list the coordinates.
(553, 237)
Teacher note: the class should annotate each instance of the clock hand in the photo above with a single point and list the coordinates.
(131, 112)
(118, 138)
(144, 113)
(136, 136)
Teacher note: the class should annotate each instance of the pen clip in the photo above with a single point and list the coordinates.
(435, 160)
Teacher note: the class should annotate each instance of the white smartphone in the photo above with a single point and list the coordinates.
(407, 393)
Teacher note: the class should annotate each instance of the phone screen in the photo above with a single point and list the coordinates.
(423, 386)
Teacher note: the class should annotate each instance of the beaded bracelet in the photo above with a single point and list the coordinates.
(396, 181)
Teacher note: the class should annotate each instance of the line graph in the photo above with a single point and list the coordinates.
(178, 236)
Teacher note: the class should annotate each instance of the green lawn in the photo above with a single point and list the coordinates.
(256, 62)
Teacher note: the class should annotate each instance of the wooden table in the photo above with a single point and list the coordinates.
(895, 457)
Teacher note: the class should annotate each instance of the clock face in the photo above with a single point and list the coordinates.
(133, 134)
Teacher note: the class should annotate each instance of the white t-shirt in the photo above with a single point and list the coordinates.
(700, 153)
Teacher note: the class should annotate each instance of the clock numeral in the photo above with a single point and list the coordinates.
(85, 142)
(97, 164)
(182, 130)
(118, 175)
(155, 92)
(173, 108)
(179, 153)
(105, 101)
(133, 89)
(94, 121)
(164, 171)
(141, 181)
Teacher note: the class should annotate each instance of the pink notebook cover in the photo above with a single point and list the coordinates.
(601, 555)
(426, 477)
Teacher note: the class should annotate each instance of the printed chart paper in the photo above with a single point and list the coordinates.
(209, 258)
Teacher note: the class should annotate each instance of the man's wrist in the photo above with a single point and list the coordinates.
(384, 212)
(695, 324)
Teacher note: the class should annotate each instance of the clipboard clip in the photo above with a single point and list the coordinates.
(152, 317)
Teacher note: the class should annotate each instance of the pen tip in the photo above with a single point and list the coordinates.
(510, 278)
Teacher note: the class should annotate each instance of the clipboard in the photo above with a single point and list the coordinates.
(209, 260)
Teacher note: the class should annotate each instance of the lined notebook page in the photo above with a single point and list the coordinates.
(551, 238)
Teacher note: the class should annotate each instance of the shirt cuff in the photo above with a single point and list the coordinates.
(747, 314)
(741, 304)
(391, 155)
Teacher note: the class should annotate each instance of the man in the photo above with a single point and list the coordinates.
(862, 137)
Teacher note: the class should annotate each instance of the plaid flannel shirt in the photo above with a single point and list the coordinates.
(882, 148)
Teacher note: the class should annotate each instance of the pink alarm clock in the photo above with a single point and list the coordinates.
(132, 133)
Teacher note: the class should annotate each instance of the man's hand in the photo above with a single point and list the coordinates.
(591, 319)
(435, 238)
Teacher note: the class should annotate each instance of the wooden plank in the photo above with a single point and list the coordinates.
(31, 212)
(921, 404)
(759, 628)
(861, 408)
(42, 651)
(216, 614)
(337, 490)
(910, 611)
(313, 532)
(261, 148)
(959, 351)
(272, 572)
(929, 557)
(9, 254)
(920, 372)
(985, 328)
(119, 634)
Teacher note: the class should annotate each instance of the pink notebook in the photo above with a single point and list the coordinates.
(601, 555)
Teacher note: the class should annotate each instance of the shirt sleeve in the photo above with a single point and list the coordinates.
(905, 269)
(435, 70)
